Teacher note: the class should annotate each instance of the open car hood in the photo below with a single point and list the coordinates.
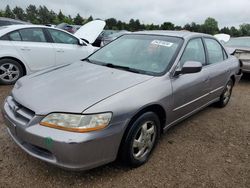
(90, 31)
(222, 37)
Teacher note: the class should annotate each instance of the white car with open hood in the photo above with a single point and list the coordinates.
(25, 49)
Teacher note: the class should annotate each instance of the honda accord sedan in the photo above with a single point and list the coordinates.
(117, 102)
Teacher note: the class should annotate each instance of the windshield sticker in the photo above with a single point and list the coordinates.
(162, 43)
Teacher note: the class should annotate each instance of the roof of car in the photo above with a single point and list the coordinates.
(9, 28)
(182, 34)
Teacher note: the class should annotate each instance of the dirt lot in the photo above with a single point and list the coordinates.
(211, 149)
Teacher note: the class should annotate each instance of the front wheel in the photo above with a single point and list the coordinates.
(141, 139)
(226, 95)
(10, 71)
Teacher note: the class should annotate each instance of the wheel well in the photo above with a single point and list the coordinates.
(20, 62)
(157, 109)
(233, 78)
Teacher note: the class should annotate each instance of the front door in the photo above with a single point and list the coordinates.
(67, 47)
(191, 91)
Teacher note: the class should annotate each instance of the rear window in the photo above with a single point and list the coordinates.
(15, 36)
(32, 35)
(215, 51)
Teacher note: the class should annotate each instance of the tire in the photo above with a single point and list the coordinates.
(226, 95)
(10, 71)
(143, 133)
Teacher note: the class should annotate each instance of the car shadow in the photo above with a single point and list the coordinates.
(109, 171)
(245, 78)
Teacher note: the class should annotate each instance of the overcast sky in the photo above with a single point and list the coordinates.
(226, 12)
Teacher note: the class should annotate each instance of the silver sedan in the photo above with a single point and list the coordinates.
(118, 101)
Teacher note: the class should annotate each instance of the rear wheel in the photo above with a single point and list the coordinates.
(141, 139)
(10, 71)
(226, 95)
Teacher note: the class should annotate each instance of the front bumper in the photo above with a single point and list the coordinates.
(69, 150)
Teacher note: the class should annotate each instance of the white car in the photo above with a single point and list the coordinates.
(25, 49)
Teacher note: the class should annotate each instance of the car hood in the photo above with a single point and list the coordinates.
(222, 37)
(90, 31)
(72, 88)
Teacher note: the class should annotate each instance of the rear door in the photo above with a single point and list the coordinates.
(190, 91)
(67, 47)
(32, 45)
(218, 65)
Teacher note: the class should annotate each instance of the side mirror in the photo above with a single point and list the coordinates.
(80, 42)
(190, 67)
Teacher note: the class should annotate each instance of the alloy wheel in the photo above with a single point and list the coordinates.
(9, 72)
(227, 93)
(144, 140)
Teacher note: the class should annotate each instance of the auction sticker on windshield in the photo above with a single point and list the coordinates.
(162, 43)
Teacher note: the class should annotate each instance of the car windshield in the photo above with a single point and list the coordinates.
(147, 54)
(239, 42)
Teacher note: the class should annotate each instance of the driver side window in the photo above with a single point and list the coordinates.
(62, 37)
(194, 51)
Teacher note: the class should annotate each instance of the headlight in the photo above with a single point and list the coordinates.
(77, 122)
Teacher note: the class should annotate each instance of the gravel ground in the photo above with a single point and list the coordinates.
(210, 149)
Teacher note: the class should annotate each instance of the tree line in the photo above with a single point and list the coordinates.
(42, 15)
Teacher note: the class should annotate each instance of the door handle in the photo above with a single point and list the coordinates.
(60, 51)
(25, 49)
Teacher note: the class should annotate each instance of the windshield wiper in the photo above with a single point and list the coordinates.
(121, 67)
(86, 59)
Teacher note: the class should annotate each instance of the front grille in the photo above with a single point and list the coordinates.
(21, 113)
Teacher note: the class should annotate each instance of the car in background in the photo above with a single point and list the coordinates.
(222, 37)
(8, 21)
(104, 33)
(240, 47)
(26, 49)
(119, 100)
(67, 27)
(109, 38)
